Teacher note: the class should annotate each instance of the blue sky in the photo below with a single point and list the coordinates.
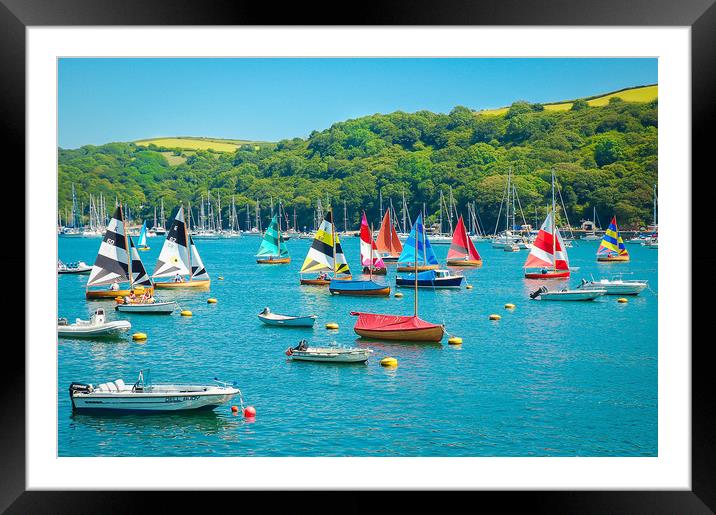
(103, 100)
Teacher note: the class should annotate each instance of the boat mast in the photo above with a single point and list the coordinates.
(279, 225)
(370, 264)
(333, 237)
(188, 241)
(655, 207)
(129, 251)
(554, 228)
(415, 304)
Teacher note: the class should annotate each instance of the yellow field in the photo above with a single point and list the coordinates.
(190, 144)
(644, 94)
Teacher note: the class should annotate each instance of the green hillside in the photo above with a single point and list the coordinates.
(604, 157)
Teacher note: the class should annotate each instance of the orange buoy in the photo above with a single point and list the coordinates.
(234, 409)
(249, 412)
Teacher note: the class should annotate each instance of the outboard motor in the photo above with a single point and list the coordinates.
(78, 387)
(538, 292)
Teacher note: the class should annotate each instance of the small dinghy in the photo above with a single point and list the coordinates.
(95, 326)
(286, 320)
(614, 286)
(144, 397)
(544, 294)
(302, 352)
(431, 279)
(79, 267)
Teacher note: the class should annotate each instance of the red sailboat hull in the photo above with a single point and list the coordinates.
(397, 328)
(548, 275)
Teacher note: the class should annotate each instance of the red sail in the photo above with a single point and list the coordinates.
(462, 246)
(387, 240)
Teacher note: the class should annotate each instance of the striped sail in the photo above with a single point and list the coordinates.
(139, 273)
(461, 246)
(320, 255)
(270, 244)
(174, 257)
(366, 244)
(112, 263)
(143, 235)
(198, 270)
(545, 252)
(612, 243)
(426, 255)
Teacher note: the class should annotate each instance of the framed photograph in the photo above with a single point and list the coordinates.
(435, 249)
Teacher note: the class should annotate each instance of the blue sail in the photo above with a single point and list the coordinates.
(143, 235)
(270, 244)
(426, 255)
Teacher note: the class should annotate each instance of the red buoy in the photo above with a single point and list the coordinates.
(234, 409)
(249, 412)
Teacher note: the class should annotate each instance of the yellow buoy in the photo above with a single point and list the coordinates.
(509, 306)
(139, 336)
(389, 362)
(186, 313)
(455, 340)
(468, 287)
(495, 317)
(211, 301)
(398, 295)
(331, 325)
(221, 278)
(622, 300)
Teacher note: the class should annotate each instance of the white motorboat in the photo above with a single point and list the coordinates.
(302, 352)
(544, 294)
(637, 240)
(614, 286)
(155, 308)
(591, 237)
(144, 397)
(79, 267)
(95, 326)
(510, 247)
(651, 243)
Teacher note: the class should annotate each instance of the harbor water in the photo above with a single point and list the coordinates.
(547, 379)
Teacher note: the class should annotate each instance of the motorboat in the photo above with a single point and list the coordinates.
(95, 326)
(79, 267)
(614, 286)
(152, 306)
(651, 243)
(565, 294)
(302, 352)
(145, 397)
(431, 279)
(269, 318)
(510, 247)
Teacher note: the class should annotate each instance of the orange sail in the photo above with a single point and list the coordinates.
(387, 240)
(462, 248)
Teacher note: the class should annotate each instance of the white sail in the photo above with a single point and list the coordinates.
(174, 257)
(112, 263)
(198, 271)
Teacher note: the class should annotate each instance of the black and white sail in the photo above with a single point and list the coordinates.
(174, 257)
(139, 273)
(112, 263)
(198, 271)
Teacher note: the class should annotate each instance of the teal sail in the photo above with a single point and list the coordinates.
(270, 245)
(143, 235)
(426, 255)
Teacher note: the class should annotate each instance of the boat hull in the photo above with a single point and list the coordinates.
(572, 295)
(273, 261)
(322, 282)
(147, 403)
(450, 282)
(89, 331)
(612, 259)
(548, 275)
(431, 334)
(617, 289)
(307, 321)
(75, 271)
(464, 262)
(358, 288)
(375, 271)
(155, 308)
(332, 355)
(183, 285)
(421, 268)
(110, 294)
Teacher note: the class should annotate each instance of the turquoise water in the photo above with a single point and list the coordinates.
(548, 379)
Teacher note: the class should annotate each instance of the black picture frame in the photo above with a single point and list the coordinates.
(699, 15)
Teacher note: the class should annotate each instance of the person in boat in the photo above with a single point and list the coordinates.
(178, 279)
(323, 276)
(302, 345)
(266, 311)
(114, 286)
(543, 271)
(132, 296)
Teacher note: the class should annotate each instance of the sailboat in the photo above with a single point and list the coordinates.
(462, 250)
(142, 244)
(361, 287)
(271, 252)
(612, 248)
(387, 244)
(325, 256)
(397, 327)
(369, 258)
(179, 257)
(548, 252)
(417, 254)
(114, 264)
